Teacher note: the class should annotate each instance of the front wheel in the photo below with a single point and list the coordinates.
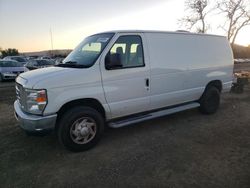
(80, 128)
(210, 100)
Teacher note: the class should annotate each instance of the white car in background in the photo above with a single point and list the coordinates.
(39, 63)
(20, 59)
(9, 69)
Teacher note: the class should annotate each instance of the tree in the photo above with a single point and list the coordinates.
(9, 52)
(237, 16)
(198, 10)
(241, 51)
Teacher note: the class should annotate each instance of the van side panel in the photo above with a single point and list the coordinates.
(183, 64)
(168, 70)
(216, 64)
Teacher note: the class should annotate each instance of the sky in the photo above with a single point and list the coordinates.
(26, 24)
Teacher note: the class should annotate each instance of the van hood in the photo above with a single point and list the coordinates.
(56, 77)
(31, 78)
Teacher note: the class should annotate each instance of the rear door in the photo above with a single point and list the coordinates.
(126, 89)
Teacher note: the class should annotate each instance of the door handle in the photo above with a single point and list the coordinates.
(147, 82)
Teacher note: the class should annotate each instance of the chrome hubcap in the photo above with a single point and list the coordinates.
(83, 130)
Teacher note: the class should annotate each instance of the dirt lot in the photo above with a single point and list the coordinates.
(186, 149)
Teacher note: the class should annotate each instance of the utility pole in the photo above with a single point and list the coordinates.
(51, 41)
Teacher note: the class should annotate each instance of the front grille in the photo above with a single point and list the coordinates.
(18, 72)
(20, 94)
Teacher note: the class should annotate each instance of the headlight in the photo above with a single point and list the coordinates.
(36, 101)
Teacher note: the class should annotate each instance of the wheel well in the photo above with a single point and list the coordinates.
(215, 83)
(93, 103)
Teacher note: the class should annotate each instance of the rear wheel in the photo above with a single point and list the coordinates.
(80, 128)
(210, 100)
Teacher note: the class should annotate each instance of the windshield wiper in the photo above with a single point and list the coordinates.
(72, 64)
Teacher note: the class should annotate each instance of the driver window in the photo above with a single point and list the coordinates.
(130, 50)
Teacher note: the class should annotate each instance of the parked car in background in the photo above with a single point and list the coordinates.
(10, 69)
(39, 63)
(44, 57)
(241, 61)
(59, 60)
(20, 59)
(32, 57)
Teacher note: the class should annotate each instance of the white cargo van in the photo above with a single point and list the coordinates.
(123, 77)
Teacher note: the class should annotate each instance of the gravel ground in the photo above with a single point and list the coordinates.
(186, 149)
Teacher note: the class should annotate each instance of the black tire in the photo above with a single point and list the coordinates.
(69, 122)
(210, 100)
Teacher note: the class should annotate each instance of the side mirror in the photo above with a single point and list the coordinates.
(113, 61)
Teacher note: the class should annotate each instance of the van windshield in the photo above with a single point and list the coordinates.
(87, 52)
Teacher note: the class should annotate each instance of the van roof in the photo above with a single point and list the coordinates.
(169, 32)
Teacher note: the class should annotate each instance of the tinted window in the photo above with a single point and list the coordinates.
(31, 63)
(19, 59)
(130, 49)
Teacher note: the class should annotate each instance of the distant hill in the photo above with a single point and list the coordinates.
(49, 53)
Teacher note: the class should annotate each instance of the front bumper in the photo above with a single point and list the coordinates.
(9, 76)
(34, 123)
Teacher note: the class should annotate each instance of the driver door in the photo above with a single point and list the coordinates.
(127, 88)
